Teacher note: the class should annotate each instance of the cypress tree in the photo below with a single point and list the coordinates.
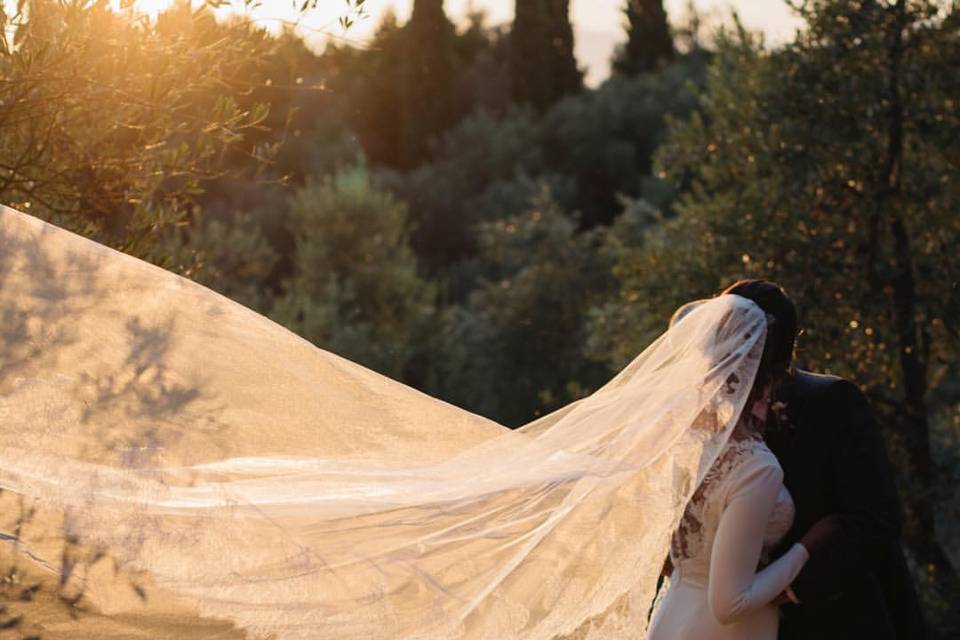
(649, 43)
(429, 92)
(542, 65)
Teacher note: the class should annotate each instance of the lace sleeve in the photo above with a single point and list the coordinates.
(735, 589)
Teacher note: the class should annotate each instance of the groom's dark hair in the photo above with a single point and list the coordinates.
(782, 335)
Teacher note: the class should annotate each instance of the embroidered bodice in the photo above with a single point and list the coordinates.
(693, 542)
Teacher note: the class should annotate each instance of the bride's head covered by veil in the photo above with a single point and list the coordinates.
(781, 318)
(300, 495)
(782, 322)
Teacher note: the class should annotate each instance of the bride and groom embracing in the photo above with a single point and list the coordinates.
(794, 532)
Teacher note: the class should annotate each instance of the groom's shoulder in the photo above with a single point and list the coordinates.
(811, 378)
(808, 381)
(824, 387)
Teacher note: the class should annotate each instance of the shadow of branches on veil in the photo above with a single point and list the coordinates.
(125, 416)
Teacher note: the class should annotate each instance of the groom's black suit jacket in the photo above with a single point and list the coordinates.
(857, 585)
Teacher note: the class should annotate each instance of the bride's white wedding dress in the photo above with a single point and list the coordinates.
(169, 450)
(740, 512)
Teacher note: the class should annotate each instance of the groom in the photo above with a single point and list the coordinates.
(856, 583)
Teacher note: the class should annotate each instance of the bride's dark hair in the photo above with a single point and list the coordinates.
(782, 332)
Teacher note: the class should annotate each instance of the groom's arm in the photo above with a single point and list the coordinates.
(866, 519)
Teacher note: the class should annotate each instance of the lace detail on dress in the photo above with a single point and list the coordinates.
(690, 531)
(690, 546)
(781, 519)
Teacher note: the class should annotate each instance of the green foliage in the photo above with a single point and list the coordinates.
(448, 195)
(591, 149)
(430, 95)
(649, 43)
(230, 256)
(413, 82)
(366, 87)
(605, 140)
(830, 166)
(355, 289)
(111, 124)
(485, 81)
(542, 66)
(513, 349)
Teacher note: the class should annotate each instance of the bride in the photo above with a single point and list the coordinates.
(165, 442)
(738, 514)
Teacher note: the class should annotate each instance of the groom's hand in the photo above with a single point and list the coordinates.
(818, 534)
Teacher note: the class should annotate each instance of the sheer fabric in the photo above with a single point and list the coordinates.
(234, 469)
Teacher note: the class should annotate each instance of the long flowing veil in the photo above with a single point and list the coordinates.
(228, 467)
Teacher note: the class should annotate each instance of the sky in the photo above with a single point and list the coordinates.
(598, 24)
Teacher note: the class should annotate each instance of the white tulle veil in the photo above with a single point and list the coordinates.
(223, 466)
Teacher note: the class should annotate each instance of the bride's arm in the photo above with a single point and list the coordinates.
(735, 587)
